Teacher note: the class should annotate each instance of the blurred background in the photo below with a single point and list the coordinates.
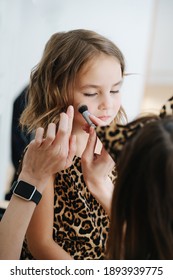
(141, 29)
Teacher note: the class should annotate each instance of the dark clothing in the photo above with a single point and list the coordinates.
(19, 138)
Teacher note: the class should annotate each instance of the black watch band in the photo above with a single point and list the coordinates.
(26, 191)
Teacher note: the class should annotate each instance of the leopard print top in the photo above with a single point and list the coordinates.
(81, 225)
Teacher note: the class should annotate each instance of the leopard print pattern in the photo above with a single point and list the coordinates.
(114, 137)
(81, 225)
(167, 109)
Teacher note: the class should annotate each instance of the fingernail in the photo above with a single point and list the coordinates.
(70, 110)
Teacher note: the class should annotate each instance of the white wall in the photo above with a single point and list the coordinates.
(25, 26)
(161, 62)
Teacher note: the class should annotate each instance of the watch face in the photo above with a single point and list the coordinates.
(24, 190)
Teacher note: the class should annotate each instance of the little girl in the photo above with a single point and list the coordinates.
(77, 67)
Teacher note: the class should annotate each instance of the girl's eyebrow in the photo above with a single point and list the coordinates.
(97, 86)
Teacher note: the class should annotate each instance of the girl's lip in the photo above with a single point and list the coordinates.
(104, 118)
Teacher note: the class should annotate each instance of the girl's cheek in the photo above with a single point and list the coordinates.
(91, 109)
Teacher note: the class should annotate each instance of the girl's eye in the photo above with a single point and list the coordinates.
(114, 91)
(90, 94)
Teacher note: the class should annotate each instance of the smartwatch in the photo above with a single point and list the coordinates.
(26, 191)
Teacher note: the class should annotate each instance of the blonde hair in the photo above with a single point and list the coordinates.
(52, 80)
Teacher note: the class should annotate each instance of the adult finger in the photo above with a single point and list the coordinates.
(97, 121)
(72, 150)
(62, 136)
(39, 136)
(50, 135)
(70, 113)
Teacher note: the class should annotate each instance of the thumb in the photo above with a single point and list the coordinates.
(106, 158)
(88, 153)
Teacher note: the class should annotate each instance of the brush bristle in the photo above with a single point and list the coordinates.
(82, 108)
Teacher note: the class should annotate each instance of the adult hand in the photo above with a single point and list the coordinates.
(96, 121)
(96, 169)
(47, 156)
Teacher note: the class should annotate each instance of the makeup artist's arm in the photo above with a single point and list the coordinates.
(40, 231)
(43, 158)
(17, 216)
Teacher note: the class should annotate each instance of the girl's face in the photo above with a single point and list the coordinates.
(98, 85)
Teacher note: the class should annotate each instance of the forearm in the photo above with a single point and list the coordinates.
(15, 221)
(49, 250)
(17, 217)
(102, 190)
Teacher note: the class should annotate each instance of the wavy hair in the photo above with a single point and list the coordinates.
(52, 80)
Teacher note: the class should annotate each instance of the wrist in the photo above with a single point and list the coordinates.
(99, 186)
(26, 191)
(38, 183)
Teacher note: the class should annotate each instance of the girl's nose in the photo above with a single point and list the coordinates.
(105, 103)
